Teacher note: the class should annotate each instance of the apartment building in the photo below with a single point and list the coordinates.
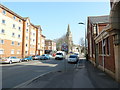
(11, 33)
(50, 45)
(42, 50)
(18, 36)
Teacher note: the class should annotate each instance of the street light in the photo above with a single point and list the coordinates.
(85, 36)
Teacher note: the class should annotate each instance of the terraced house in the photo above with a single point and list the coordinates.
(18, 36)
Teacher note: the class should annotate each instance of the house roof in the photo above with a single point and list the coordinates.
(99, 19)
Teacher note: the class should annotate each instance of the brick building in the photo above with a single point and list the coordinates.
(50, 45)
(94, 27)
(18, 36)
(115, 32)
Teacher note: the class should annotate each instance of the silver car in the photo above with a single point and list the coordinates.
(9, 60)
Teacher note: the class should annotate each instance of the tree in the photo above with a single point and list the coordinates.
(60, 41)
(82, 44)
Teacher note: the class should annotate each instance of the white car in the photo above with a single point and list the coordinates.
(10, 60)
(73, 59)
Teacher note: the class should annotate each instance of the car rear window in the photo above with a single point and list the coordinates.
(72, 57)
(59, 54)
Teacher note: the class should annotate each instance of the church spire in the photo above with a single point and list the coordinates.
(68, 30)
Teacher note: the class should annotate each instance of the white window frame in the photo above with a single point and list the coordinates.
(13, 35)
(2, 32)
(14, 17)
(13, 25)
(4, 12)
(12, 43)
(18, 43)
(18, 51)
(12, 51)
(4, 21)
(2, 51)
(1, 41)
(19, 36)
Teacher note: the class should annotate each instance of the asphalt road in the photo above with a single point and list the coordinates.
(16, 74)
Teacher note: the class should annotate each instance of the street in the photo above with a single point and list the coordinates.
(16, 74)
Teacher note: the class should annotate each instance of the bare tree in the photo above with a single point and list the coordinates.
(82, 42)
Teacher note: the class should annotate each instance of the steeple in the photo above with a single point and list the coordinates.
(68, 30)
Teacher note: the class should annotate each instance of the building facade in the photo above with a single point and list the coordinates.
(11, 33)
(50, 45)
(115, 32)
(18, 36)
(100, 44)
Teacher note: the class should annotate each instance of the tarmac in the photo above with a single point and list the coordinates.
(85, 75)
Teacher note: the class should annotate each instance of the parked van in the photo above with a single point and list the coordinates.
(60, 55)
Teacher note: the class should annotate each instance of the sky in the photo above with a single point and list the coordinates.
(54, 17)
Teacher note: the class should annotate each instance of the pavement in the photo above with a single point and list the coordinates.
(84, 75)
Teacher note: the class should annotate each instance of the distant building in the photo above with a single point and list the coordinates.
(69, 39)
(50, 45)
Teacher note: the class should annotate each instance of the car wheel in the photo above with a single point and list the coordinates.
(10, 62)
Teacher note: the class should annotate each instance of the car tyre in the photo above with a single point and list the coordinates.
(10, 62)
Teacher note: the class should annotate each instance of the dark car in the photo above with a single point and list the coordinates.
(27, 58)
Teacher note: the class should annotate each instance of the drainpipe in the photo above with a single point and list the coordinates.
(103, 59)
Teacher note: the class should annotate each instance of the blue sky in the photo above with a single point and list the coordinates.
(54, 17)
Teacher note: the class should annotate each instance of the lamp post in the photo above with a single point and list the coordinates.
(85, 38)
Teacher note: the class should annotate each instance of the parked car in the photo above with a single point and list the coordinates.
(45, 56)
(73, 59)
(10, 60)
(27, 58)
(37, 57)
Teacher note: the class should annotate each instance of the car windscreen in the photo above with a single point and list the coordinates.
(72, 57)
(59, 54)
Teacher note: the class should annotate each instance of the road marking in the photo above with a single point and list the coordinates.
(27, 82)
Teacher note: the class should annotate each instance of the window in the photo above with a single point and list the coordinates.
(1, 51)
(12, 43)
(108, 46)
(33, 34)
(3, 21)
(100, 47)
(19, 36)
(27, 25)
(33, 40)
(26, 37)
(1, 41)
(13, 25)
(12, 51)
(18, 52)
(104, 45)
(18, 44)
(26, 30)
(4, 12)
(14, 17)
(2, 31)
(26, 45)
(13, 34)
(19, 28)
(26, 52)
(19, 20)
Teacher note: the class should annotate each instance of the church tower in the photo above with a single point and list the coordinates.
(69, 39)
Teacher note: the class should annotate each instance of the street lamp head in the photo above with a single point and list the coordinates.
(81, 23)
